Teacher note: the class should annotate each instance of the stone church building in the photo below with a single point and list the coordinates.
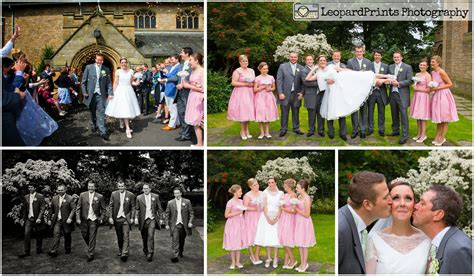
(142, 32)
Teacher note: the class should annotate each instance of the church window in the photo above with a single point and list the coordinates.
(145, 19)
(187, 19)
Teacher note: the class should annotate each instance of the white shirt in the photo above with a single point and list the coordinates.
(336, 64)
(91, 214)
(149, 211)
(61, 200)
(30, 212)
(180, 218)
(360, 63)
(122, 199)
(360, 224)
(377, 67)
(7, 48)
(293, 69)
(439, 237)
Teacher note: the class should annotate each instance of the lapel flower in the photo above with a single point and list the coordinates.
(401, 70)
(103, 73)
(297, 69)
(381, 69)
(153, 199)
(364, 65)
(95, 198)
(184, 204)
(126, 198)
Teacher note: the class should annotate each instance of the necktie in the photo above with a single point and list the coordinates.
(363, 240)
(360, 64)
(60, 203)
(30, 213)
(434, 265)
(293, 68)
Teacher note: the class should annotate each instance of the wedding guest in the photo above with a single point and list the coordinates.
(286, 224)
(304, 229)
(160, 96)
(47, 95)
(48, 75)
(145, 88)
(336, 63)
(195, 103)
(379, 96)
(253, 202)
(241, 104)
(234, 229)
(33, 210)
(182, 94)
(266, 110)
(170, 92)
(10, 43)
(420, 108)
(287, 96)
(443, 106)
(400, 96)
(65, 85)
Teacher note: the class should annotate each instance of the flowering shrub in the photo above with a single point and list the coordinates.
(302, 44)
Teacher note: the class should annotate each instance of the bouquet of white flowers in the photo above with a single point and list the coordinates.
(282, 202)
(249, 79)
(294, 201)
(391, 77)
(433, 84)
(266, 82)
(242, 207)
(257, 201)
(183, 74)
(415, 79)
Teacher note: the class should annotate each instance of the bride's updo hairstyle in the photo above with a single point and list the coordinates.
(291, 183)
(250, 182)
(304, 184)
(234, 188)
(321, 56)
(396, 183)
(362, 187)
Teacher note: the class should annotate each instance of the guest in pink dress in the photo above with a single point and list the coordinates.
(266, 110)
(443, 107)
(286, 224)
(420, 108)
(304, 229)
(234, 230)
(253, 201)
(241, 104)
(194, 114)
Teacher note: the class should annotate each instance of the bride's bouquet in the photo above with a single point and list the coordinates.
(391, 77)
(433, 84)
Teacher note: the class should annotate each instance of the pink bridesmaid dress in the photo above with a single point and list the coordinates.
(265, 102)
(241, 104)
(420, 108)
(443, 107)
(235, 236)
(304, 229)
(286, 224)
(195, 106)
(251, 217)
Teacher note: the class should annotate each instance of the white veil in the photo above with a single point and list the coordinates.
(381, 224)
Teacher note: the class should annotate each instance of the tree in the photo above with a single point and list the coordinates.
(284, 168)
(302, 44)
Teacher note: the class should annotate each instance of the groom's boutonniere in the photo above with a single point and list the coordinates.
(103, 73)
(364, 65)
(381, 69)
(401, 70)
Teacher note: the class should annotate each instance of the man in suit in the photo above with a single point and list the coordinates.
(179, 220)
(360, 118)
(436, 215)
(312, 98)
(379, 96)
(48, 75)
(182, 95)
(63, 209)
(400, 96)
(148, 218)
(121, 214)
(369, 200)
(171, 81)
(145, 87)
(287, 95)
(90, 213)
(33, 211)
(336, 63)
(97, 89)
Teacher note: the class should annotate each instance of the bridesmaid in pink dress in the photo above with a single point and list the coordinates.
(286, 224)
(443, 107)
(234, 230)
(420, 108)
(194, 114)
(253, 201)
(304, 229)
(241, 104)
(266, 110)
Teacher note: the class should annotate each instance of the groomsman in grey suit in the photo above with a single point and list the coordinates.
(400, 96)
(33, 211)
(436, 215)
(182, 95)
(379, 96)
(312, 98)
(287, 95)
(359, 119)
(369, 200)
(336, 63)
(179, 220)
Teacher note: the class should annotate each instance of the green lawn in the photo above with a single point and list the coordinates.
(223, 132)
(322, 256)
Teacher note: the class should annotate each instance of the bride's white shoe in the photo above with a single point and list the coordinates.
(129, 134)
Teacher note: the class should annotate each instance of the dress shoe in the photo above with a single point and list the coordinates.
(394, 134)
(90, 258)
(119, 254)
(93, 129)
(24, 255)
(282, 133)
(381, 133)
(320, 134)
(370, 132)
(180, 255)
(299, 132)
(174, 259)
(39, 251)
(167, 128)
(149, 257)
(105, 137)
(309, 134)
(362, 135)
(331, 136)
(182, 139)
(67, 251)
(52, 254)
(403, 140)
(343, 137)
(354, 135)
(124, 258)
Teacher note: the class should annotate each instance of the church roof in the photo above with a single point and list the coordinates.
(152, 44)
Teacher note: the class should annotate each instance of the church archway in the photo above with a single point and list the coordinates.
(87, 56)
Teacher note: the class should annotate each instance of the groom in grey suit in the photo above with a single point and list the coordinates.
(369, 200)
(97, 89)
(436, 215)
(379, 96)
(287, 95)
(400, 96)
(359, 118)
(336, 62)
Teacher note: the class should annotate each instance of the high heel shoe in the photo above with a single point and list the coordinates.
(249, 136)
(440, 144)
(232, 267)
(129, 133)
(267, 263)
(275, 263)
(293, 266)
(421, 140)
(240, 266)
(303, 270)
(416, 138)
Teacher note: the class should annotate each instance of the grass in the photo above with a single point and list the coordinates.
(323, 253)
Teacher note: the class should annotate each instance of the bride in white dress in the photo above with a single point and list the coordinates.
(399, 248)
(124, 104)
(267, 227)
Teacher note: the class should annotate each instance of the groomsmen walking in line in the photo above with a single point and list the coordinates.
(379, 96)
(33, 210)
(63, 209)
(359, 119)
(312, 98)
(179, 220)
(90, 213)
(148, 218)
(121, 214)
(336, 63)
(182, 95)
(400, 96)
(287, 95)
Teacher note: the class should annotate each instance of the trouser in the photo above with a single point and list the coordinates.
(57, 230)
(145, 100)
(295, 115)
(181, 103)
(342, 126)
(178, 236)
(376, 98)
(30, 225)
(122, 229)
(362, 121)
(148, 236)
(174, 120)
(97, 105)
(319, 101)
(312, 114)
(89, 233)
(399, 113)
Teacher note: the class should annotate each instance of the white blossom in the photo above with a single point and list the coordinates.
(302, 44)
